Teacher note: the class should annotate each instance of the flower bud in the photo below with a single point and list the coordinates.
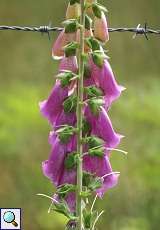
(101, 28)
(70, 49)
(89, 8)
(73, 11)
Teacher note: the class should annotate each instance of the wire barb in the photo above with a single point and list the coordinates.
(141, 30)
(47, 29)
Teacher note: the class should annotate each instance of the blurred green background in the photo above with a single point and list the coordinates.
(26, 77)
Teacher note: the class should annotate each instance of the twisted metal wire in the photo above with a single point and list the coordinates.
(47, 29)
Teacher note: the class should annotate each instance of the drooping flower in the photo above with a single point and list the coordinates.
(54, 167)
(62, 40)
(53, 106)
(61, 170)
(100, 90)
(100, 166)
(73, 10)
(101, 28)
(101, 126)
(104, 78)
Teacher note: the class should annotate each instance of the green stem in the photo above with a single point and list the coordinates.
(80, 118)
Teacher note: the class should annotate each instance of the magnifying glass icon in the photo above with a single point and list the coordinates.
(9, 218)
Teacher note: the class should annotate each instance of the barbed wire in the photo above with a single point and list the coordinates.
(47, 29)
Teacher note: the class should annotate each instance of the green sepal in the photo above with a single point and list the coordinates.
(63, 190)
(93, 91)
(71, 160)
(70, 49)
(70, 104)
(98, 58)
(71, 25)
(65, 133)
(72, 2)
(94, 142)
(86, 127)
(95, 183)
(63, 208)
(93, 43)
(85, 194)
(95, 105)
(92, 182)
(88, 22)
(66, 78)
(96, 152)
(87, 71)
(87, 177)
(89, 218)
(98, 9)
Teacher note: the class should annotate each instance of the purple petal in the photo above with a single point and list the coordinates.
(57, 51)
(105, 79)
(71, 201)
(52, 107)
(65, 118)
(53, 167)
(102, 127)
(62, 40)
(69, 63)
(101, 166)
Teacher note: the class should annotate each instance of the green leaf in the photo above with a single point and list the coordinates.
(71, 160)
(70, 104)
